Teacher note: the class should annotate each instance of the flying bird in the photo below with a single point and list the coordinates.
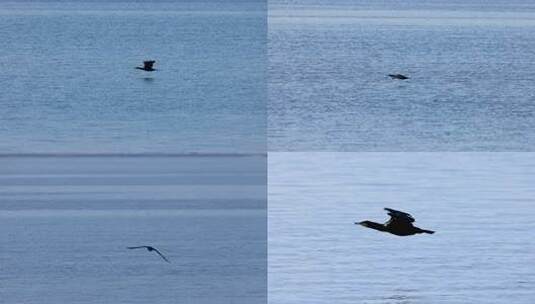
(150, 248)
(147, 66)
(400, 223)
(398, 76)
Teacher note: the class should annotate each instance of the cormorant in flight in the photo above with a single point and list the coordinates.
(400, 223)
(150, 248)
(147, 66)
(398, 76)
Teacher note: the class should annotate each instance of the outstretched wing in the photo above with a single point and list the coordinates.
(399, 215)
(136, 247)
(148, 64)
(163, 257)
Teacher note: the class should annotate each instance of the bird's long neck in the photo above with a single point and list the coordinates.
(418, 230)
(374, 225)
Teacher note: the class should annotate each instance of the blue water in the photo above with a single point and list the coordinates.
(66, 223)
(97, 156)
(471, 65)
(69, 83)
(479, 204)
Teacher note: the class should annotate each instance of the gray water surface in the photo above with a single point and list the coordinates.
(69, 83)
(66, 223)
(479, 204)
(470, 63)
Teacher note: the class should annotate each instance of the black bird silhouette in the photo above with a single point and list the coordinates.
(150, 248)
(398, 76)
(147, 66)
(400, 223)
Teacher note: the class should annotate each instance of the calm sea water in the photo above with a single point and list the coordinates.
(66, 223)
(471, 65)
(479, 204)
(69, 83)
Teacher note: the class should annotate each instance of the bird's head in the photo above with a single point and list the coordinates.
(363, 223)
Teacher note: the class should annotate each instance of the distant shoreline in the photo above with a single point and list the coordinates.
(130, 155)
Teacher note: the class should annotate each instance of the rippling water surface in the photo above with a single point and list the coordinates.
(69, 84)
(66, 223)
(479, 204)
(470, 63)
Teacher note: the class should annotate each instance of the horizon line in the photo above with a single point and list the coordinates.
(127, 154)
